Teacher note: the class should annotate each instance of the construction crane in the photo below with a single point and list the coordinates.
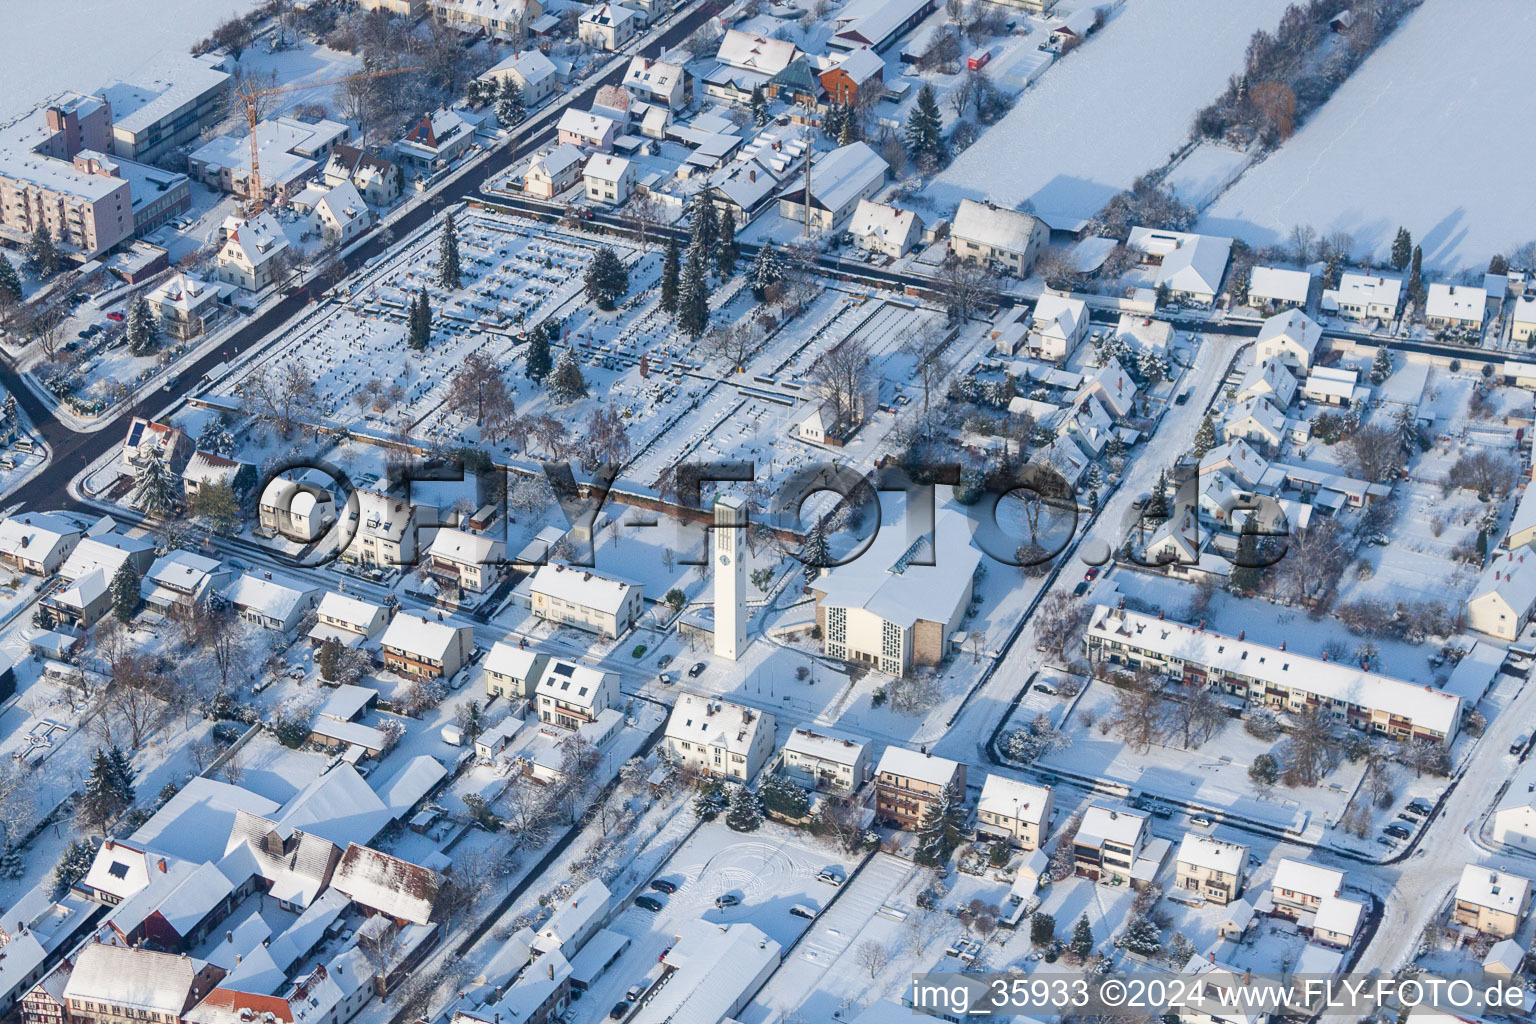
(251, 95)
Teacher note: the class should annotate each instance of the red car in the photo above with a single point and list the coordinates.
(1092, 573)
(115, 316)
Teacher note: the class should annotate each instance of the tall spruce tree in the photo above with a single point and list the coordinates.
(537, 366)
(1402, 250)
(725, 254)
(1081, 945)
(448, 272)
(746, 813)
(943, 828)
(154, 487)
(1246, 571)
(693, 294)
(924, 131)
(125, 592)
(41, 255)
(704, 226)
(759, 107)
(10, 282)
(767, 271)
(1416, 280)
(565, 383)
(671, 268)
(509, 103)
(1381, 366)
(607, 278)
(1205, 437)
(141, 333)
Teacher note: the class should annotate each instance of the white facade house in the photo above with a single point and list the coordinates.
(471, 561)
(571, 695)
(1299, 887)
(421, 647)
(719, 738)
(1505, 595)
(1211, 867)
(608, 26)
(1451, 305)
(253, 252)
(553, 172)
(1016, 811)
(656, 81)
(271, 602)
(608, 179)
(886, 229)
(1276, 289)
(1290, 336)
(1271, 379)
(384, 533)
(1011, 238)
(1190, 266)
(1058, 326)
(341, 214)
(1363, 297)
(37, 542)
(585, 599)
(1514, 816)
(824, 760)
(535, 75)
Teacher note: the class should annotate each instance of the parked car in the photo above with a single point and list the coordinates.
(666, 678)
(1397, 831)
(801, 910)
(831, 876)
(728, 899)
(1521, 742)
(115, 316)
(1201, 820)
(1092, 573)
(1385, 841)
(650, 903)
(1044, 687)
(1080, 589)
(663, 885)
(696, 670)
(1412, 819)
(664, 661)
(619, 1010)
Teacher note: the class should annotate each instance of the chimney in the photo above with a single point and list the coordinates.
(551, 970)
(1242, 634)
(161, 865)
(1325, 655)
(1282, 645)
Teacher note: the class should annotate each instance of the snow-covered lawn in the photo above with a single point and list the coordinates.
(1204, 172)
(1109, 112)
(1410, 139)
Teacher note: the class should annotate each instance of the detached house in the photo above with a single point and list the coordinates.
(608, 26)
(37, 542)
(584, 599)
(823, 760)
(583, 128)
(608, 179)
(1273, 289)
(1212, 868)
(350, 621)
(254, 252)
(181, 579)
(470, 561)
(1505, 595)
(415, 646)
(1190, 266)
(1015, 811)
(656, 81)
(1058, 326)
(513, 671)
(1492, 902)
(1363, 297)
(553, 172)
(1291, 337)
(719, 738)
(839, 181)
(987, 233)
(571, 695)
(384, 534)
(860, 69)
(890, 230)
(909, 785)
(1299, 888)
(535, 75)
(437, 140)
(1109, 842)
(375, 178)
(271, 602)
(1450, 305)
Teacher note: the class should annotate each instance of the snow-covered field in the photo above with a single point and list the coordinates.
(107, 39)
(1110, 111)
(1412, 139)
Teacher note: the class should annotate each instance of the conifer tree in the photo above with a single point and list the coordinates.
(1402, 250)
(1205, 437)
(767, 271)
(607, 278)
(538, 363)
(565, 383)
(10, 282)
(924, 131)
(1416, 280)
(1244, 578)
(509, 104)
(448, 256)
(725, 254)
(693, 294)
(154, 488)
(125, 592)
(1381, 367)
(1081, 945)
(41, 256)
(943, 828)
(746, 813)
(704, 226)
(671, 268)
(759, 107)
(141, 333)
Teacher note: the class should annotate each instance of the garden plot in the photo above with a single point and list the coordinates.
(1419, 564)
(1109, 112)
(1410, 97)
(1205, 171)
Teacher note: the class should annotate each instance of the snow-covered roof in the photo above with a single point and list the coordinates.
(1010, 798)
(882, 221)
(889, 580)
(1456, 302)
(1493, 889)
(716, 723)
(717, 966)
(182, 292)
(277, 597)
(840, 175)
(1513, 577)
(909, 764)
(1364, 290)
(873, 22)
(576, 915)
(751, 52)
(337, 806)
(415, 779)
(825, 746)
(1474, 673)
(1117, 825)
(1295, 326)
(580, 587)
(586, 125)
(1312, 880)
(387, 884)
(352, 611)
(1506, 953)
(1114, 387)
(861, 64)
(652, 76)
(571, 683)
(106, 553)
(342, 204)
(1424, 706)
(1059, 314)
(1279, 283)
(993, 226)
(182, 570)
(211, 468)
(415, 634)
(465, 548)
(193, 824)
(606, 167)
(133, 979)
(1191, 262)
(511, 660)
(608, 14)
(531, 66)
(1270, 377)
(1261, 411)
(253, 240)
(1525, 310)
(32, 533)
(553, 164)
(1212, 854)
(1337, 914)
